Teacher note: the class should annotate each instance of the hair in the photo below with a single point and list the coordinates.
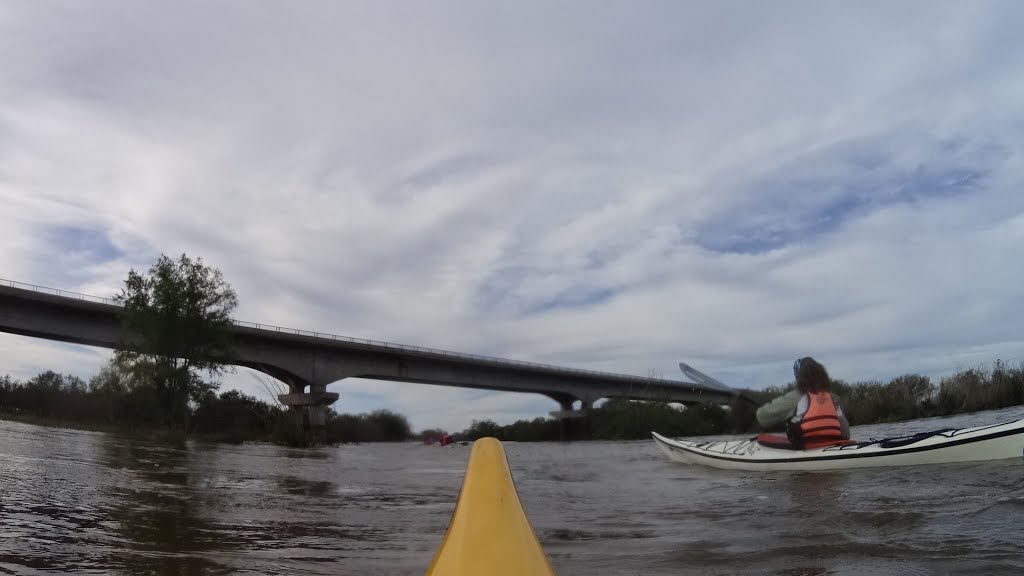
(812, 377)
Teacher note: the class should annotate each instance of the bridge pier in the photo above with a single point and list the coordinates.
(573, 424)
(309, 409)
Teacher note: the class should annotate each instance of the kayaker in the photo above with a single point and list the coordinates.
(791, 407)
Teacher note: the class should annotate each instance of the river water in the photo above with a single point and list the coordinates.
(90, 503)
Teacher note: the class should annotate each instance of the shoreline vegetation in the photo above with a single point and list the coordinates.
(906, 397)
(112, 403)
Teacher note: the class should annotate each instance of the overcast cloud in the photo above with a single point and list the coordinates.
(608, 185)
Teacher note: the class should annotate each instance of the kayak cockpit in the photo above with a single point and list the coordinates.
(782, 442)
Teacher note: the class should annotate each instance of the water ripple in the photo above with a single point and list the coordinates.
(94, 503)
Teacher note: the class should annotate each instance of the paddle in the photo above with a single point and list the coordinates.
(705, 380)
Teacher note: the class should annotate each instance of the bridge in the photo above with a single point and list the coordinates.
(304, 359)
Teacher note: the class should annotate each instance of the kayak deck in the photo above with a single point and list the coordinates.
(993, 442)
(489, 532)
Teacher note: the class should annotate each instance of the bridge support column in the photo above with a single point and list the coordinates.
(573, 424)
(309, 408)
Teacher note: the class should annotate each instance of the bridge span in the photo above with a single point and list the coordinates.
(304, 359)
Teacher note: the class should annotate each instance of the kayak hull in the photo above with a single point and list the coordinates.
(980, 443)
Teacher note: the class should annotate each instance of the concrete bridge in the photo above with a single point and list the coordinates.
(304, 359)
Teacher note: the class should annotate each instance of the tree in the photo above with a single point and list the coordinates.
(177, 321)
(391, 426)
(434, 433)
(482, 428)
(113, 379)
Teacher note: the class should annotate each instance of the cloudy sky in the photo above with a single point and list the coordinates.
(611, 185)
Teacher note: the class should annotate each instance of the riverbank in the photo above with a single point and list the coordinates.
(907, 397)
(147, 433)
(64, 400)
(231, 417)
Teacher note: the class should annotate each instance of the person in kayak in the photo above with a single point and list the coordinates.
(813, 395)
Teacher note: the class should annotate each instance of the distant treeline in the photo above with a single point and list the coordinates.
(907, 397)
(110, 401)
(618, 419)
(914, 396)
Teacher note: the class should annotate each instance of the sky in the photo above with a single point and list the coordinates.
(619, 187)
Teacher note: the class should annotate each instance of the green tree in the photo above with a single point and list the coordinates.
(482, 428)
(113, 379)
(177, 321)
(434, 433)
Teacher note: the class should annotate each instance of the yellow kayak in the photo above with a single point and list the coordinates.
(489, 532)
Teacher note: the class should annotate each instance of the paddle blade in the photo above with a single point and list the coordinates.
(702, 378)
(489, 532)
(705, 380)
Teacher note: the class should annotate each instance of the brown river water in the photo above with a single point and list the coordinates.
(76, 502)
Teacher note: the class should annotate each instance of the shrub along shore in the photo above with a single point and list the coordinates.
(906, 397)
(107, 403)
(111, 404)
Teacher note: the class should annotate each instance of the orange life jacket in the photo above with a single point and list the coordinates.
(820, 424)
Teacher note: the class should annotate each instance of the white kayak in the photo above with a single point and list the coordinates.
(994, 442)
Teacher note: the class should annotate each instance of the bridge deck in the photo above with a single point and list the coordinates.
(302, 357)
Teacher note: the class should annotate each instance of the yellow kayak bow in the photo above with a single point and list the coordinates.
(489, 534)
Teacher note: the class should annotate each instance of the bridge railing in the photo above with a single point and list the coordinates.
(57, 292)
(327, 336)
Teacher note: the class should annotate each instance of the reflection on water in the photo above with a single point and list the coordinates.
(80, 502)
